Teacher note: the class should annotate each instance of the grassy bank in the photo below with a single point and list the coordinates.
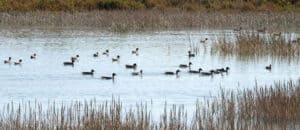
(121, 20)
(264, 107)
(210, 5)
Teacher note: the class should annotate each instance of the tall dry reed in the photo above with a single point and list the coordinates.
(264, 107)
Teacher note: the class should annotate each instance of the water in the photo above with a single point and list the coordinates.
(45, 78)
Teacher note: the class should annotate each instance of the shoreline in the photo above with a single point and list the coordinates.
(151, 20)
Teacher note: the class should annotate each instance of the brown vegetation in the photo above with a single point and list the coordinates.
(255, 45)
(118, 20)
(81, 5)
(264, 107)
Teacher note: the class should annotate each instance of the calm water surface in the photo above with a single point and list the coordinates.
(47, 79)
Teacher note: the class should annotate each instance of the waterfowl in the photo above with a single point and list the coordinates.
(75, 58)
(69, 63)
(262, 30)
(195, 71)
(135, 51)
(238, 29)
(106, 52)
(203, 41)
(269, 67)
(116, 59)
(88, 73)
(223, 70)
(109, 78)
(33, 56)
(96, 54)
(172, 73)
(208, 73)
(7, 61)
(137, 73)
(19, 62)
(185, 65)
(190, 54)
(133, 66)
(277, 34)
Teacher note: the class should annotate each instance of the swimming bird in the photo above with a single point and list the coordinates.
(106, 52)
(262, 30)
(33, 56)
(237, 30)
(96, 54)
(185, 65)
(208, 73)
(116, 59)
(7, 61)
(190, 54)
(172, 73)
(195, 71)
(269, 67)
(75, 58)
(133, 66)
(203, 41)
(109, 78)
(69, 63)
(137, 73)
(135, 51)
(277, 34)
(88, 73)
(18, 62)
(223, 70)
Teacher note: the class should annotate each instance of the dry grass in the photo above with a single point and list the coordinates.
(143, 20)
(264, 107)
(249, 45)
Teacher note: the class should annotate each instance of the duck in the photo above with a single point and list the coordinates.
(133, 66)
(106, 52)
(137, 73)
(223, 70)
(277, 34)
(18, 62)
(172, 73)
(96, 54)
(262, 30)
(69, 63)
(33, 56)
(203, 41)
(190, 54)
(135, 51)
(109, 78)
(195, 71)
(88, 73)
(7, 61)
(115, 59)
(208, 73)
(238, 29)
(185, 65)
(269, 67)
(74, 58)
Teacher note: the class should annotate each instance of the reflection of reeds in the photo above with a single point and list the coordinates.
(118, 20)
(264, 107)
(254, 45)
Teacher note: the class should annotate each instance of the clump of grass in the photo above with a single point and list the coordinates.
(264, 107)
(255, 45)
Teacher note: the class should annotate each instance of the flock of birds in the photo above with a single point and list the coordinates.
(134, 65)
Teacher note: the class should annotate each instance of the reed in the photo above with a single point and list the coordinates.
(255, 45)
(262, 107)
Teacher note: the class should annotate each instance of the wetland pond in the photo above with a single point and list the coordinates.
(46, 78)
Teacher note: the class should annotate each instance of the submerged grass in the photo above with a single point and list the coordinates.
(255, 45)
(143, 20)
(264, 107)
